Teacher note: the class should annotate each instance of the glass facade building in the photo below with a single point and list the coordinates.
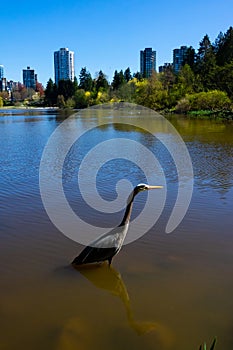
(29, 78)
(1, 71)
(147, 62)
(63, 65)
(179, 55)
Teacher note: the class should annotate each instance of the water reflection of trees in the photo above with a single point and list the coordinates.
(210, 146)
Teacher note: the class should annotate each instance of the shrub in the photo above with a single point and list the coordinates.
(212, 100)
(183, 106)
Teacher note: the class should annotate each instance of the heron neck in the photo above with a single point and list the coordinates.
(128, 210)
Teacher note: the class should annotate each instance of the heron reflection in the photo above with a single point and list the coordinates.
(109, 279)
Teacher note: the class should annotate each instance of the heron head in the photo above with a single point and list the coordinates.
(145, 187)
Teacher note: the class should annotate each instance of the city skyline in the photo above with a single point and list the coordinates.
(105, 36)
(64, 66)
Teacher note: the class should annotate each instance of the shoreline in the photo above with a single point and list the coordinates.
(28, 108)
(10, 111)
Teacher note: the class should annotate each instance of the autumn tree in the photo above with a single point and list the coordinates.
(39, 89)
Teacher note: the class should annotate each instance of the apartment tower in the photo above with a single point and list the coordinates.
(179, 56)
(64, 65)
(1, 71)
(147, 62)
(29, 78)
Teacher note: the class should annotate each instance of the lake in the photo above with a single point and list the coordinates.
(163, 291)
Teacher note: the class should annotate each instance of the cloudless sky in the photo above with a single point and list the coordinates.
(105, 35)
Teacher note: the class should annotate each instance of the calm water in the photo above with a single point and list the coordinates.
(164, 291)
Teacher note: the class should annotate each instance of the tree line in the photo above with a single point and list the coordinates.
(21, 93)
(205, 81)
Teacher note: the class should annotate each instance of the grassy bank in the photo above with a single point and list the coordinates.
(208, 114)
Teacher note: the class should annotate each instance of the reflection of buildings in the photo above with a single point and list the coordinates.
(29, 78)
(179, 55)
(64, 65)
(147, 62)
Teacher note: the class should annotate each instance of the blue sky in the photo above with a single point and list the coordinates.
(105, 35)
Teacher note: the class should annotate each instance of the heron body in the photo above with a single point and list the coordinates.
(108, 245)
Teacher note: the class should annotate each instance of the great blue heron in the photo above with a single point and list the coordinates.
(109, 244)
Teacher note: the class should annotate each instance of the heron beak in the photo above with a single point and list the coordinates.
(154, 187)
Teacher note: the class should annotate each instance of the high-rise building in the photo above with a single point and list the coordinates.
(2, 79)
(179, 56)
(147, 62)
(29, 78)
(1, 71)
(3, 84)
(64, 65)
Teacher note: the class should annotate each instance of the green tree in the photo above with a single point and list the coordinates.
(167, 78)
(85, 80)
(75, 84)
(65, 88)
(138, 76)
(186, 80)
(118, 80)
(224, 78)
(51, 93)
(101, 82)
(1, 101)
(150, 93)
(205, 65)
(218, 43)
(82, 98)
(189, 57)
(127, 91)
(224, 47)
(204, 47)
(127, 75)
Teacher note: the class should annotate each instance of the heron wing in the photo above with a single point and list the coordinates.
(93, 254)
(104, 247)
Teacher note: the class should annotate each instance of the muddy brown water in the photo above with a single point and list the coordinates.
(164, 291)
